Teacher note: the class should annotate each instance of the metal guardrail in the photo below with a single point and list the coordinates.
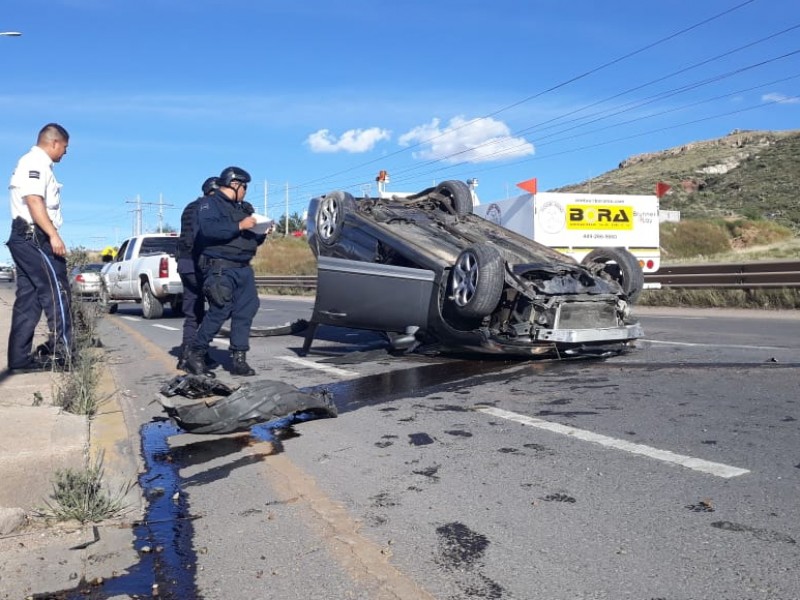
(287, 281)
(763, 275)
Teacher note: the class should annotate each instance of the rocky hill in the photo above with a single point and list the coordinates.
(752, 174)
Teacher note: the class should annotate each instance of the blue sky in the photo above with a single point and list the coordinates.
(316, 96)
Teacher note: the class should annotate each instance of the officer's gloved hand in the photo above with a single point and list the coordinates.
(248, 208)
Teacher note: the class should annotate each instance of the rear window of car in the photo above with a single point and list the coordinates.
(159, 245)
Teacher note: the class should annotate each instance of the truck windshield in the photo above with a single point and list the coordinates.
(159, 245)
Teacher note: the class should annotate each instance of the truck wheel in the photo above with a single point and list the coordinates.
(105, 301)
(151, 306)
(459, 194)
(617, 264)
(329, 219)
(476, 281)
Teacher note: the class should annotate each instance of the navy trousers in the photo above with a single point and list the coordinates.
(42, 285)
(232, 294)
(193, 305)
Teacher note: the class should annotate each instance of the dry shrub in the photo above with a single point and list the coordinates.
(746, 234)
(285, 256)
(692, 238)
(767, 299)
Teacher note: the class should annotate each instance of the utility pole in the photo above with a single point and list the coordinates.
(286, 228)
(160, 213)
(138, 220)
(137, 215)
(266, 197)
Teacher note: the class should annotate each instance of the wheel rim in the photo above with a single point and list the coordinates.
(327, 218)
(465, 278)
(146, 301)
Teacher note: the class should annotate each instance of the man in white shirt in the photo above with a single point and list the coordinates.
(40, 255)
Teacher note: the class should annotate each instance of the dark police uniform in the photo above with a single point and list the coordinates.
(42, 282)
(193, 304)
(228, 279)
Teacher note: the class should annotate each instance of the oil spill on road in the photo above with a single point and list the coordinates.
(559, 498)
(429, 472)
(458, 433)
(461, 551)
(419, 439)
(414, 381)
(164, 538)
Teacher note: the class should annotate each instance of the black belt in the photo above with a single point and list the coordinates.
(222, 263)
(28, 231)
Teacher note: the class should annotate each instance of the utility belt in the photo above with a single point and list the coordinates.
(29, 231)
(206, 262)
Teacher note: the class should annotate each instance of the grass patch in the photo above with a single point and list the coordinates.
(771, 299)
(76, 392)
(80, 496)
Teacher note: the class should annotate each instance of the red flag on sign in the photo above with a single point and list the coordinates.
(662, 188)
(529, 185)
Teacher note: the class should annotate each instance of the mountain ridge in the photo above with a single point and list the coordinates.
(751, 174)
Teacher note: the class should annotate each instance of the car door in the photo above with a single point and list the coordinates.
(116, 272)
(365, 295)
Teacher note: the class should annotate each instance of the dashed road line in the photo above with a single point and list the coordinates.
(313, 365)
(697, 464)
(167, 327)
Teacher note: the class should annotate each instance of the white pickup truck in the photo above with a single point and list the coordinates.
(144, 271)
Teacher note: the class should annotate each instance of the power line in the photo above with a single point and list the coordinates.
(536, 95)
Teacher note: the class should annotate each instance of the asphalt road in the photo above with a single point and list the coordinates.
(671, 472)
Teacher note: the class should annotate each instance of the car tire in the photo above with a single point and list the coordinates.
(151, 306)
(476, 281)
(105, 301)
(329, 219)
(618, 265)
(459, 194)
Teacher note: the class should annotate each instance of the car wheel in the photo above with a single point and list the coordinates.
(105, 300)
(617, 264)
(459, 194)
(476, 281)
(151, 306)
(330, 217)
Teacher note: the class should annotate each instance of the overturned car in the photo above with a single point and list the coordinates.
(427, 271)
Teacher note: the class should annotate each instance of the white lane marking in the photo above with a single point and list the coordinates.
(132, 318)
(696, 345)
(312, 365)
(222, 341)
(689, 462)
(167, 327)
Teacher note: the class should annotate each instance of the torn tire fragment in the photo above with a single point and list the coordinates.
(225, 410)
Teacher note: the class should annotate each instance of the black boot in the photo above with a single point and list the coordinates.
(182, 359)
(240, 366)
(194, 363)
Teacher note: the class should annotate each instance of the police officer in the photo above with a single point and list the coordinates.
(226, 247)
(39, 253)
(193, 305)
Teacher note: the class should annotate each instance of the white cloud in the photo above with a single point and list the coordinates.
(462, 140)
(781, 98)
(353, 140)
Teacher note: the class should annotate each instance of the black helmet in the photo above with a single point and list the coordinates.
(210, 186)
(232, 174)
